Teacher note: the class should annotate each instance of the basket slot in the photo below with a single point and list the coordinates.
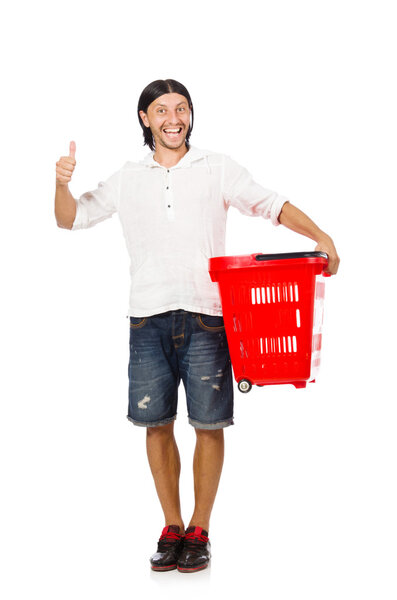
(316, 342)
(243, 351)
(320, 289)
(278, 345)
(236, 323)
(276, 293)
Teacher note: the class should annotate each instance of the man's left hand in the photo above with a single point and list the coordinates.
(326, 244)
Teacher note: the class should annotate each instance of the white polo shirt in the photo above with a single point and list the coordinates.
(174, 220)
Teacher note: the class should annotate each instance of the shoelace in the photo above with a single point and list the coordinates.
(194, 542)
(167, 540)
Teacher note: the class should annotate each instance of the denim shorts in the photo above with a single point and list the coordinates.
(175, 345)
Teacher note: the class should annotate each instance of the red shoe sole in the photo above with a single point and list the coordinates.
(167, 568)
(193, 570)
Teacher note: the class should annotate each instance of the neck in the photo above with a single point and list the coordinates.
(169, 157)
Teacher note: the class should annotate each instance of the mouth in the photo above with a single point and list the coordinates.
(173, 132)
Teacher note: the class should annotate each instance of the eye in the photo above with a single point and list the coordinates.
(160, 109)
(181, 108)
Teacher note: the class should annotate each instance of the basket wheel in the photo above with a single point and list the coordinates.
(244, 385)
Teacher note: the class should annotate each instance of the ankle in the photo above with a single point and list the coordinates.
(200, 523)
(176, 522)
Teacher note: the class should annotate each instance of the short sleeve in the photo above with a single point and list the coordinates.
(97, 205)
(248, 196)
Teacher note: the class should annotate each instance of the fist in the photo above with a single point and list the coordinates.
(65, 166)
(327, 245)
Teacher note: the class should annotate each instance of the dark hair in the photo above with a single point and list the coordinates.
(150, 93)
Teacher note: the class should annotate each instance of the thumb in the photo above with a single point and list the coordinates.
(72, 149)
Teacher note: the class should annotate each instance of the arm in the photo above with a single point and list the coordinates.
(295, 219)
(65, 204)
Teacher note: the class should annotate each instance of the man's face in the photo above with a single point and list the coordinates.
(168, 118)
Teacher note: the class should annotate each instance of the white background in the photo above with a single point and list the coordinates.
(301, 93)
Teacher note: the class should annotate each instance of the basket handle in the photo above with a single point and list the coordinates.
(286, 255)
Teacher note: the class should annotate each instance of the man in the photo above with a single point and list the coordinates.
(172, 206)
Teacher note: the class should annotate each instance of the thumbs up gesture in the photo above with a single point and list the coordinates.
(65, 166)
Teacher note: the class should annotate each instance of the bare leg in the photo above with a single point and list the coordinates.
(207, 469)
(165, 465)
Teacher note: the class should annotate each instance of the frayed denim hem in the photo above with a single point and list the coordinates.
(152, 423)
(218, 425)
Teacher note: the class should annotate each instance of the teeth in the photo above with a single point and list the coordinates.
(172, 130)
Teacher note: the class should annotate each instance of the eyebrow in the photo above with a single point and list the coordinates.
(183, 102)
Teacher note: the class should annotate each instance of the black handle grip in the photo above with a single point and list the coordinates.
(286, 255)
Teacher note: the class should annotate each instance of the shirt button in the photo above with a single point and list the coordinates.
(167, 187)
(169, 206)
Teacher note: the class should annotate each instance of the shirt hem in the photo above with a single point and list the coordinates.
(132, 312)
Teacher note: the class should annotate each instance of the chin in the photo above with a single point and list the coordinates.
(174, 146)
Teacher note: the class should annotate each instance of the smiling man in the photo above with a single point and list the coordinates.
(173, 206)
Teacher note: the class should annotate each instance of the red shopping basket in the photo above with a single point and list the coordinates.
(273, 312)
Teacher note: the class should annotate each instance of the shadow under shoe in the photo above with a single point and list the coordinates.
(196, 552)
(169, 548)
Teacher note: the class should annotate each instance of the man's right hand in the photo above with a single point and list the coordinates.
(65, 166)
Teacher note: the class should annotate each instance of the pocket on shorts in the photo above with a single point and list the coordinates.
(137, 322)
(211, 322)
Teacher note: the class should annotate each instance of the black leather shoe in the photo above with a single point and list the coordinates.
(168, 549)
(196, 552)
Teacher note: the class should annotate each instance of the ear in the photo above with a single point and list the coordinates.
(144, 118)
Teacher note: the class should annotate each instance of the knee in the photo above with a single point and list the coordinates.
(209, 433)
(161, 430)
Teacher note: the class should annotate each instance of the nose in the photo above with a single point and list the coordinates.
(173, 117)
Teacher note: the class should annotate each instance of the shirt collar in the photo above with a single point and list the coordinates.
(191, 155)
